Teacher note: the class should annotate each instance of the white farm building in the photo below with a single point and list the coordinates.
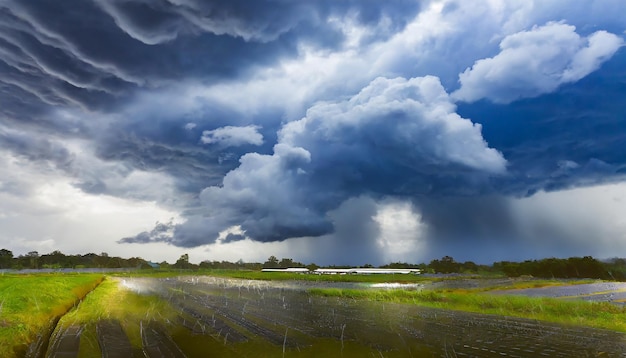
(348, 271)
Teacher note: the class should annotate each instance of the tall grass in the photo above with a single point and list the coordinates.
(28, 303)
(516, 283)
(572, 312)
(286, 276)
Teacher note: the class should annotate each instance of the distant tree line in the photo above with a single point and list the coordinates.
(58, 260)
(448, 265)
(272, 262)
(573, 267)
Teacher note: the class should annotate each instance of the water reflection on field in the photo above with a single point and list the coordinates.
(274, 319)
(614, 292)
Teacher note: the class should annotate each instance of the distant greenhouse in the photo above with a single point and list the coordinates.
(289, 269)
(355, 270)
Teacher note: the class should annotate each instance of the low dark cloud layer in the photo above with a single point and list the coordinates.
(273, 120)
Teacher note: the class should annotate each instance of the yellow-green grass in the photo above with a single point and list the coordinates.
(29, 303)
(524, 283)
(112, 301)
(570, 312)
(516, 283)
(279, 276)
(158, 273)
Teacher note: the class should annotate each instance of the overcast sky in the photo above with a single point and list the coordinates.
(334, 132)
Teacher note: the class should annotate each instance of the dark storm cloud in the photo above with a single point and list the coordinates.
(39, 150)
(192, 167)
(471, 227)
(176, 147)
(386, 140)
(402, 138)
(155, 22)
(351, 242)
(160, 233)
(232, 238)
(92, 52)
(528, 104)
(95, 55)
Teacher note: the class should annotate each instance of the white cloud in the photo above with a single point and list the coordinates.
(410, 120)
(231, 136)
(535, 62)
(72, 221)
(601, 46)
(402, 232)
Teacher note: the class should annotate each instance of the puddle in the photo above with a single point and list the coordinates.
(614, 292)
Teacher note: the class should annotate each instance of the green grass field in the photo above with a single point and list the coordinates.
(274, 276)
(590, 314)
(29, 303)
(286, 276)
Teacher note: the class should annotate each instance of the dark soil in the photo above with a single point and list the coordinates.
(66, 343)
(113, 341)
(157, 343)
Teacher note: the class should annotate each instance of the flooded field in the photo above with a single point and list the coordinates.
(614, 292)
(217, 317)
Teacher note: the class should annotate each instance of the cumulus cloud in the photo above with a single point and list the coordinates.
(230, 136)
(383, 140)
(408, 123)
(265, 197)
(534, 62)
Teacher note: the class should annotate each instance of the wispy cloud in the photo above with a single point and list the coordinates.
(230, 136)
